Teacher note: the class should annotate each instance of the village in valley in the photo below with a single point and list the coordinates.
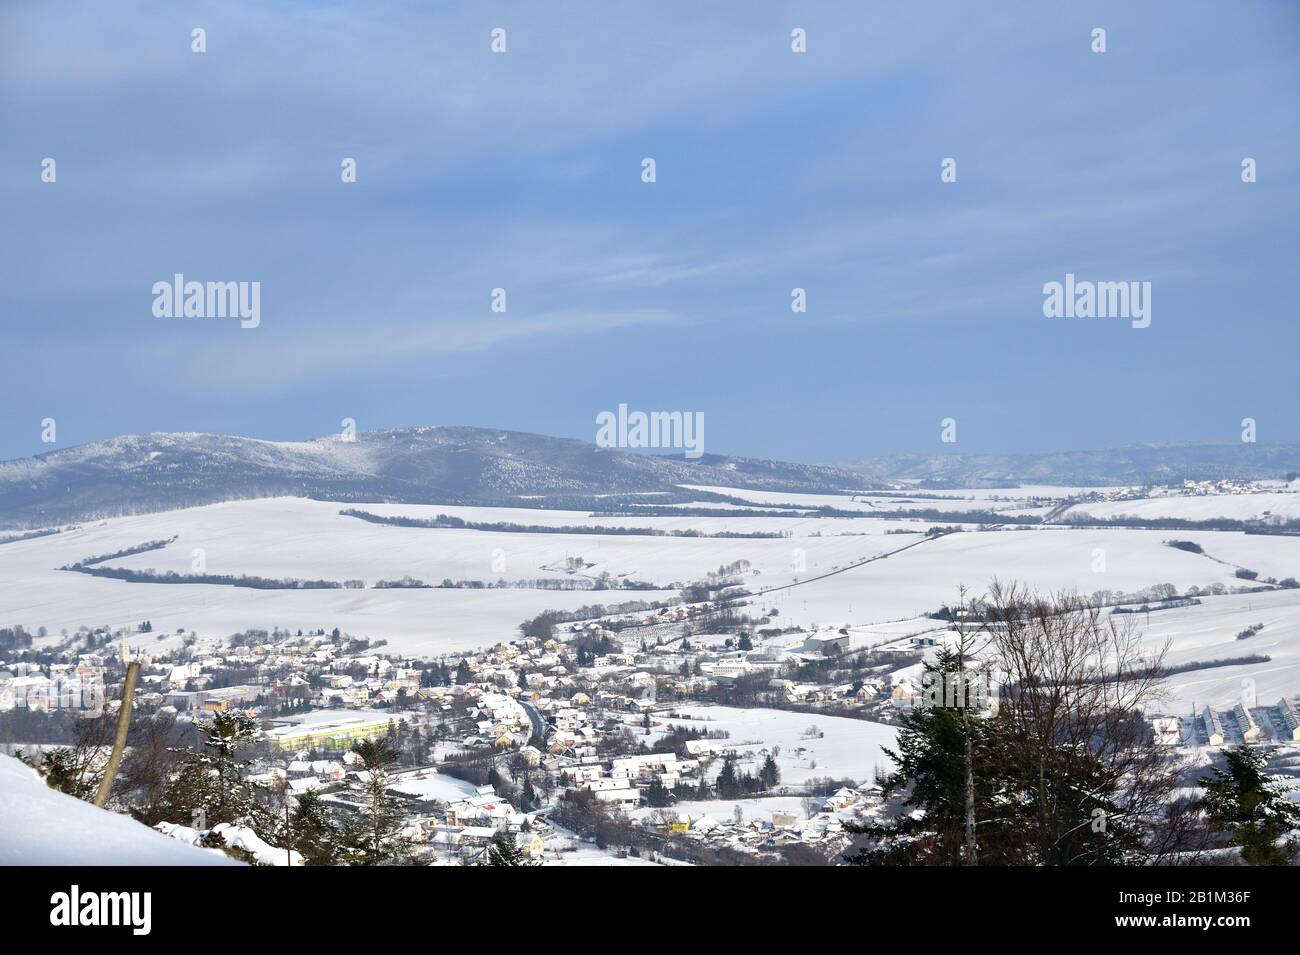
(689, 734)
(577, 744)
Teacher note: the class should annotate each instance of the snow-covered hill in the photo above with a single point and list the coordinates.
(454, 465)
(40, 826)
(154, 472)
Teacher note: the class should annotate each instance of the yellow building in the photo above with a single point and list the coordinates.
(531, 843)
(334, 735)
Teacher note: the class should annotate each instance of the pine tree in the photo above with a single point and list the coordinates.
(209, 787)
(70, 771)
(1242, 801)
(504, 850)
(932, 760)
(769, 775)
(728, 785)
(312, 833)
(371, 834)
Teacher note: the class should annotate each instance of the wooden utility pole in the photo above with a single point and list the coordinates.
(119, 741)
(970, 853)
(970, 849)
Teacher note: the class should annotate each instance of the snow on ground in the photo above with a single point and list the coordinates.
(1209, 632)
(310, 539)
(291, 537)
(584, 854)
(1241, 507)
(724, 810)
(1008, 500)
(926, 577)
(846, 748)
(564, 847)
(426, 784)
(237, 837)
(1269, 556)
(427, 622)
(40, 826)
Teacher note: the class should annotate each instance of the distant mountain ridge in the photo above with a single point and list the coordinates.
(1133, 464)
(443, 465)
(462, 465)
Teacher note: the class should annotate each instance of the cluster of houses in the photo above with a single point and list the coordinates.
(282, 672)
(1207, 488)
(470, 823)
(1189, 488)
(313, 670)
(565, 718)
(55, 686)
(823, 828)
(1241, 725)
(663, 615)
(620, 784)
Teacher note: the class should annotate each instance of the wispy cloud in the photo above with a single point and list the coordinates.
(521, 171)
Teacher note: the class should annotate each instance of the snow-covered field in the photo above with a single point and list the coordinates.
(428, 622)
(290, 537)
(1241, 507)
(40, 826)
(840, 748)
(809, 576)
(1020, 500)
(309, 539)
(923, 578)
(1209, 632)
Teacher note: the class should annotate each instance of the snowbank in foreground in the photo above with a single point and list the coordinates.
(40, 826)
(237, 837)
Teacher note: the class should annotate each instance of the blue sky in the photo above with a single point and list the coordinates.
(775, 170)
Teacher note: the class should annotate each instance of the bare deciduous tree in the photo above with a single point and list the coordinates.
(1077, 686)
